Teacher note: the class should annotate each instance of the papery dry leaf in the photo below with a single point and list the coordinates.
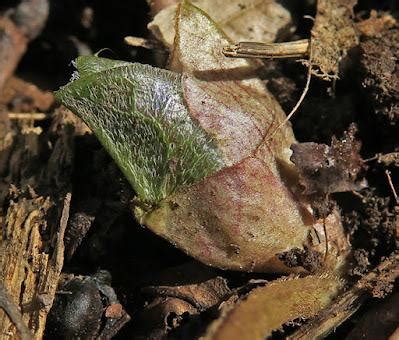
(249, 20)
(267, 309)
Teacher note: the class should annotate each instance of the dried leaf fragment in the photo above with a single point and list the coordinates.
(202, 295)
(249, 20)
(326, 169)
(268, 308)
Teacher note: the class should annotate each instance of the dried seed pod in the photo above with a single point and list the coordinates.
(197, 148)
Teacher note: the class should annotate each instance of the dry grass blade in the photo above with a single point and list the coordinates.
(292, 49)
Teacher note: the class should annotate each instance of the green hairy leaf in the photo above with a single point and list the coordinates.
(138, 114)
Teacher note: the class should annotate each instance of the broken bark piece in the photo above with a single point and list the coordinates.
(26, 267)
(326, 169)
(34, 223)
(333, 34)
(78, 226)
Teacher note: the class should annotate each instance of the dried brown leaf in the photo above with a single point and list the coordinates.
(248, 20)
(201, 295)
(268, 308)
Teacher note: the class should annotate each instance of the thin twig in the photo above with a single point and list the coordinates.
(291, 49)
(140, 42)
(58, 255)
(388, 174)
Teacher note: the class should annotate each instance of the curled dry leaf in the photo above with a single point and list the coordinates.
(201, 295)
(248, 20)
(180, 294)
(197, 149)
